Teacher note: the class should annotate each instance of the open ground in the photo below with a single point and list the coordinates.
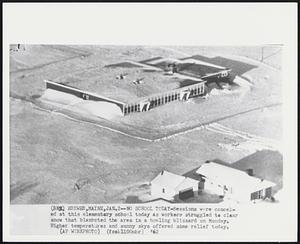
(52, 148)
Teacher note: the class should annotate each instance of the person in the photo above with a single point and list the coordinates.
(174, 68)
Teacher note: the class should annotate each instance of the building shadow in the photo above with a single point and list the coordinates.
(122, 65)
(238, 67)
(150, 59)
(187, 82)
(192, 174)
(199, 197)
(266, 164)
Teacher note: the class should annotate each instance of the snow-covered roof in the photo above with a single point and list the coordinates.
(233, 177)
(186, 183)
(177, 182)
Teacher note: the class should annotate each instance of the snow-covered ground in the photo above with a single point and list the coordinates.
(251, 143)
(45, 146)
(67, 101)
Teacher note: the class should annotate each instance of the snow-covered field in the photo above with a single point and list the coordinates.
(251, 143)
(50, 153)
(67, 101)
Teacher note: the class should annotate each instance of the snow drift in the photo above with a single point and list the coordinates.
(70, 102)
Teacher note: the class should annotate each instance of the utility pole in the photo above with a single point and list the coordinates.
(262, 55)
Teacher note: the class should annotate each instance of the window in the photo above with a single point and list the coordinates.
(163, 190)
(85, 96)
(169, 98)
(132, 108)
(172, 97)
(176, 96)
(166, 99)
(125, 110)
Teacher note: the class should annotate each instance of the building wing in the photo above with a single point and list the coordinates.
(168, 179)
(232, 177)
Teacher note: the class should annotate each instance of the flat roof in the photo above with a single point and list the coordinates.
(150, 74)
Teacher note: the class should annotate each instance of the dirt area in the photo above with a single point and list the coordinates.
(54, 149)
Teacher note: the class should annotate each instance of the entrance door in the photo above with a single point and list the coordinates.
(85, 96)
(184, 95)
(145, 106)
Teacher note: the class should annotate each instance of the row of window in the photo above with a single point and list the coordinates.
(162, 100)
(132, 108)
(197, 91)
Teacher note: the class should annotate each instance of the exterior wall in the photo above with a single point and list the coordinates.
(167, 97)
(214, 187)
(81, 94)
(138, 106)
(152, 101)
(264, 193)
(194, 186)
(238, 194)
(162, 191)
(229, 192)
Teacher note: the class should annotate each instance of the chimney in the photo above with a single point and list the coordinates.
(249, 172)
(162, 172)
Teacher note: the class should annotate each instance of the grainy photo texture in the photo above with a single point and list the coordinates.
(138, 124)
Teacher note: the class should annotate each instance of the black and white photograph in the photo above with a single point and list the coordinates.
(150, 121)
(133, 124)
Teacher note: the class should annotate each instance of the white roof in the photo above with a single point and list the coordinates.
(177, 182)
(233, 177)
(186, 183)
